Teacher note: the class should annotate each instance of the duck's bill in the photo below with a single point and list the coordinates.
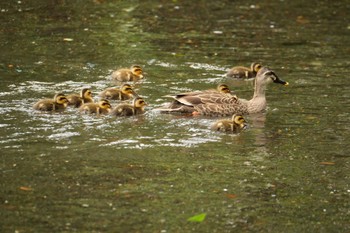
(280, 81)
(245, 126)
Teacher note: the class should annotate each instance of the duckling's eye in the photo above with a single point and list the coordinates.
(138, 70)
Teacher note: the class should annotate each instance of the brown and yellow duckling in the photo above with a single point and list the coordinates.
(77, 100)
(135, 73)
(241, 72)
(124, 93)
(102, 107)
(223, 88)
(234, 125)
(58, 103)
(137, 107)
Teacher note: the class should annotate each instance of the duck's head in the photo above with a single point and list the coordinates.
(239, 120)
(223, 88)
(60, 99)
(139, 102)
(86, 93)
(104, 104)
(255, 67)
(265, 75)
(137, 70)
(127, 89)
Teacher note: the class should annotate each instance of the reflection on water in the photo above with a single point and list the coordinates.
(70, 172)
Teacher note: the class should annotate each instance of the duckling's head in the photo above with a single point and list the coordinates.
(137, 70)
(138, 102)
(223, 88)
(104, 104)
(86, 93)
(127, 89)
(239, 120)
(61, 99)
(265, 75)
(255, 66)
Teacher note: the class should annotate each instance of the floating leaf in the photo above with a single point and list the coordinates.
(25, 188)
(229, 195)
(327, 163)
(67, 39)
(197, 218)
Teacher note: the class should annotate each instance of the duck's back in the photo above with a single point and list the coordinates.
(123, 110)
(45, 105)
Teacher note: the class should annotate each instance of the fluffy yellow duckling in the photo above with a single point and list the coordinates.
(223, 88)
(241, 72)
(137, 107)
(84, 97)
(135, 73)
(124, 93)
(58, 103)
(102, 107)
(234, 125)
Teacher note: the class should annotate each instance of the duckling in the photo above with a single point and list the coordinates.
(135, 73)
(234, 125)
(102, 107)
(84, 97)
(241, 72)
(137, 107)
(58, 103)
(223, 88)
(124, 93)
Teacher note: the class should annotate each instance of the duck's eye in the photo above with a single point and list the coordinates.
(138, 70)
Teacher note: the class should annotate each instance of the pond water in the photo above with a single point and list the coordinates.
(65, 172)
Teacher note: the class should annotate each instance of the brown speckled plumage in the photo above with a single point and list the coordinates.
(221, 104)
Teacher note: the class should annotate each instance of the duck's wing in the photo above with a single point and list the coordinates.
(211, 109)
(207, 103)
(206, 98)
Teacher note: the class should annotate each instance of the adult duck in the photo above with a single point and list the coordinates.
(221, 104)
